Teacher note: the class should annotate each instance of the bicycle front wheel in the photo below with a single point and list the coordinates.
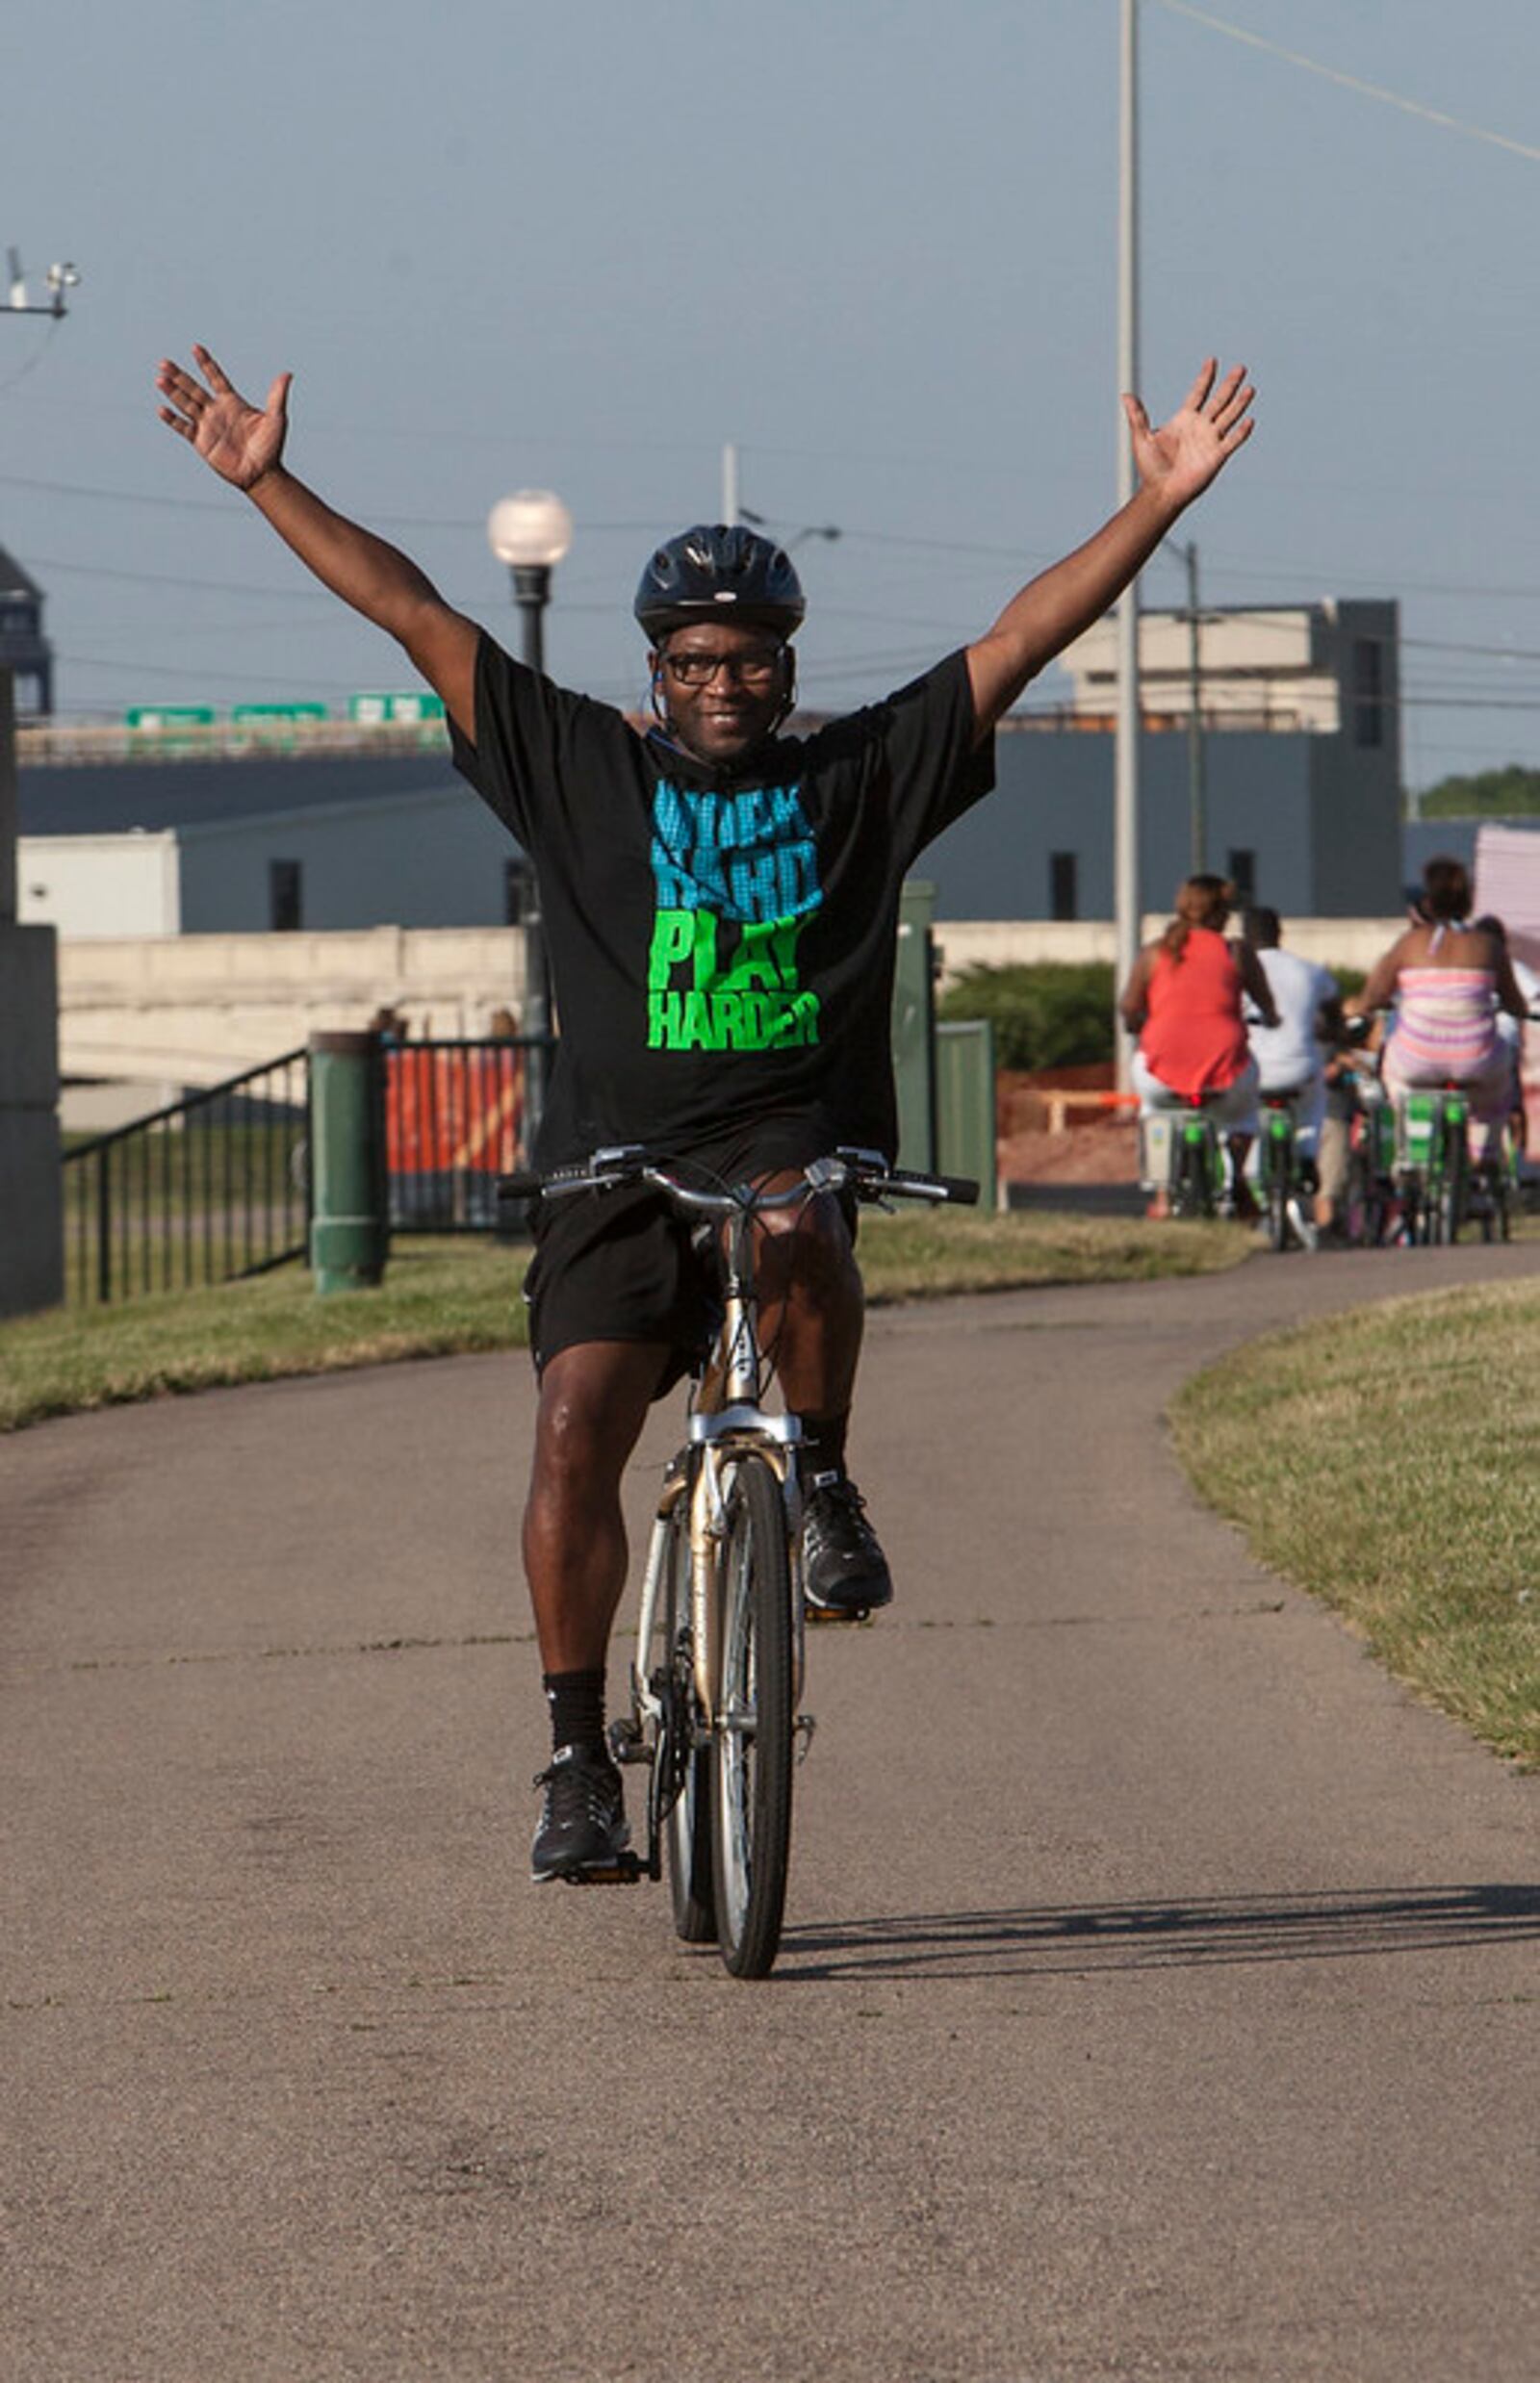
(687, 1820)
(752, 1776)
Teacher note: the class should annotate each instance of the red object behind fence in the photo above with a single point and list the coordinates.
(454, 1109)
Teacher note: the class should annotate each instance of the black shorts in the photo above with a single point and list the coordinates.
(624, 1265)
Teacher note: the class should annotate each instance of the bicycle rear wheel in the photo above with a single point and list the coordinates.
(1192, 1190)
(753, 1748)
(1454, 1191)
(687, 1820)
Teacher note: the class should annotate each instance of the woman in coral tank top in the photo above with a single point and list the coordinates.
(1183, 1000)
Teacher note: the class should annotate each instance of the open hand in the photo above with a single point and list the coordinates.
(1184, 454)
(240, 442)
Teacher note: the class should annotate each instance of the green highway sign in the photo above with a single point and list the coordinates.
(378, 710)
(170, 716)
(251, 714)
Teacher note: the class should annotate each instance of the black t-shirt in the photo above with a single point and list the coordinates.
(721, 939)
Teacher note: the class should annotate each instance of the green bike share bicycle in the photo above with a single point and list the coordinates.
(1436, 1185)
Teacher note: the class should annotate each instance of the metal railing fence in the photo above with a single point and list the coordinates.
(218, 1186)
(213, 1188)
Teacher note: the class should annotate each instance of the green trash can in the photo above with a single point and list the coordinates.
(350, 1227)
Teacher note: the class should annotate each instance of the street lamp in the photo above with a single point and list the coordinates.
(530, 531)
(815, 529)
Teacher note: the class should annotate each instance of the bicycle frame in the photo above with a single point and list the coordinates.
(726, 1420)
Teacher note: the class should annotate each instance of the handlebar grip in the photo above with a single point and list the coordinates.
(961, 1190)
(520, 1187)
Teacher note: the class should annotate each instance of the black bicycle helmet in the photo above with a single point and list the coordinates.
(719, 573)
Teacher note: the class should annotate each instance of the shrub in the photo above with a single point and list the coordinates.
(1053, 1013)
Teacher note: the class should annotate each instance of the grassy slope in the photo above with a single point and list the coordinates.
(1389, 1461)
(444, 1296)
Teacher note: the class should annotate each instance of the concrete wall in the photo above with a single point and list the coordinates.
(997, 944)
(163, 1012)
(179, 1011)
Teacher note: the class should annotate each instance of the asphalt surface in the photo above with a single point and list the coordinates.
(1159, 1996)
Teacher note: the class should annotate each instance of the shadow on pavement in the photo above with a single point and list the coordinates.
(1204, 1934)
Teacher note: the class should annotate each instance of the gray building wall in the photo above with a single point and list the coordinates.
(1325, 831)
(434, 858)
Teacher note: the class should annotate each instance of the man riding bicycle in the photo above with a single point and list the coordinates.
(721, 906)
(1291, 1056)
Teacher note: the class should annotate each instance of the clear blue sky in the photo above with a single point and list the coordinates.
(580, 245)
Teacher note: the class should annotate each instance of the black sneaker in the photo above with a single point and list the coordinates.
(844, 1572)
(583, 1827)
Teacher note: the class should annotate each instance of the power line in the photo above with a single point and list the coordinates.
(1352, 82)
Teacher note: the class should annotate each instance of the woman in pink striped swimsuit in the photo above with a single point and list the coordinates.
(1447, 980)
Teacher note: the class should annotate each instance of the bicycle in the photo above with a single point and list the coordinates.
(1371, 1206)
(1287, 1181)
(716, 1680)
(1432, 1167)
(1183, 1154)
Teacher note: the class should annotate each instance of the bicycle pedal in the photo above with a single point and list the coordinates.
(629, 1871)
(627, 1743)
(827, 1618)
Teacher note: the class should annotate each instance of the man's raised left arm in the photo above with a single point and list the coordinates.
(1175, 463)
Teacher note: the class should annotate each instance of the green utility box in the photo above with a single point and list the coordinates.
(349, 1229)
(965, 1104)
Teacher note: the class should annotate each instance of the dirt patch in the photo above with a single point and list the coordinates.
(1106, 1152)
(1091, 1149)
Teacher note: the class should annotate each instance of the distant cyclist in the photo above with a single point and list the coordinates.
(1446, 979)
(1183, 1000)
(1291, 1056)
(721, 903)
(1511, 1028)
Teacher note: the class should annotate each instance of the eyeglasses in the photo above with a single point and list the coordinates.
(749, 670)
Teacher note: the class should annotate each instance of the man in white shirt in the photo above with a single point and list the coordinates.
(1291, 1057)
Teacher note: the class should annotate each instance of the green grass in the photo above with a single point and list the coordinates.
(442, 1297)
(1389, 1461)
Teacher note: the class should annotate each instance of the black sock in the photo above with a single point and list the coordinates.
(576, 1705)
(823, 1444)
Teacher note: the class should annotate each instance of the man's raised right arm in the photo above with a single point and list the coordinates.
(243, 444)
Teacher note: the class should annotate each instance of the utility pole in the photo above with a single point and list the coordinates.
(729, 482)
(1197, 790)
(1125, 762)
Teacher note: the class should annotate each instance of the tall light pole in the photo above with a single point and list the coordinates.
(1197, 787)
(530, 531)
(1125, 757)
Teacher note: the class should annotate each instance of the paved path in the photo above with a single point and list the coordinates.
(1161, 1987)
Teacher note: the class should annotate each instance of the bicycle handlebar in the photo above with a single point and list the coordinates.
(865, 1173)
